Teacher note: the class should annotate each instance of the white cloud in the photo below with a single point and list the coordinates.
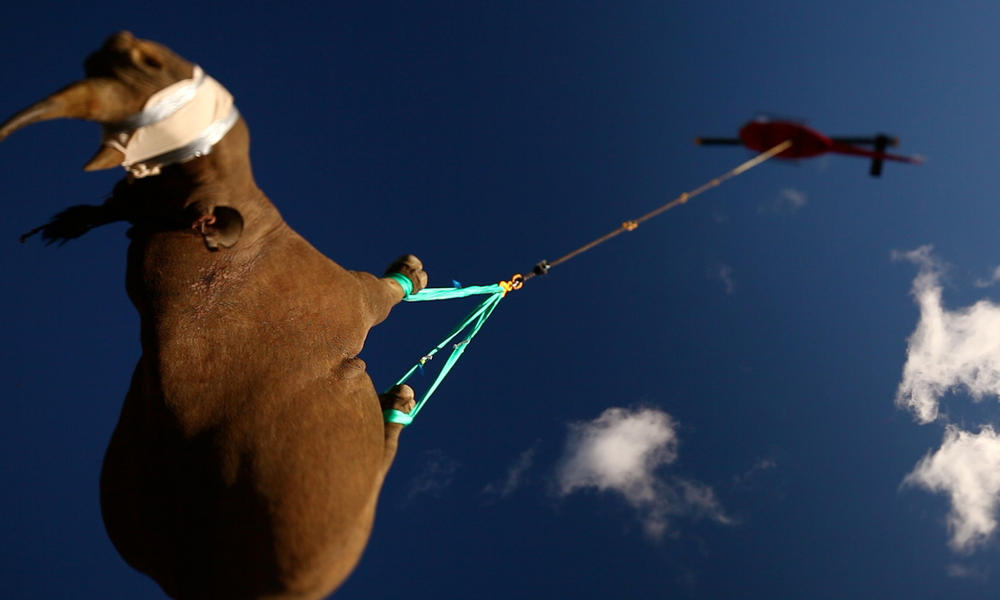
(958, 571)
(948, 350)
(993, 279)
(762, 465)
(967, 468)
(515, 475)
(621, 451)
(788, 200)
(792, 199)
(724, 273)
(436, 473)
(699, 499)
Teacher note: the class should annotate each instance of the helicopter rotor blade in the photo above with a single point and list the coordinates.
(708, 141)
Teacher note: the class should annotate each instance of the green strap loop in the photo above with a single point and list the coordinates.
(403, 281)
(397, 416)
(456, 292)
(473, 322)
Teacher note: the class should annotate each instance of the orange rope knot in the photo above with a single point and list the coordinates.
(683, 198)
(629, 225)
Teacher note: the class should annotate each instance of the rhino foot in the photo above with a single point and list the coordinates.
(399, 397)
(412, 268)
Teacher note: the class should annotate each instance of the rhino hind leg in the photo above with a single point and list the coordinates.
(401, 398)
(74, 222)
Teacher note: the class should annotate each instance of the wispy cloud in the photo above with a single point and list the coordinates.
(988, 282)
(948, 350)
(746, 478)
(436, 474)
(724, 274)
(959, 571)
(788, 200)
(515, 475)
(621, 451)
(967, 468)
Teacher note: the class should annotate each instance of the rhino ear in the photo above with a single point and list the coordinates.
(225, 229)
(105, 158)
(145, 59)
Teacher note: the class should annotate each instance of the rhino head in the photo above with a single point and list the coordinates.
(155, 108)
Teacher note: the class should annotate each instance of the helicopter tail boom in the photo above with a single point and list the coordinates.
(877, 154)
(871, 140)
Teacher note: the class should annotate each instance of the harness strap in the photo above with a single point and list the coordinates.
(472, 323)
(160, 105)
(403, 281)
(397, 416)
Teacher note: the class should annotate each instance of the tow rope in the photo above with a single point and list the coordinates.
(475, 319)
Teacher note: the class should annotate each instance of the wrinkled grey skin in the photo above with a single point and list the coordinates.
(251, 448)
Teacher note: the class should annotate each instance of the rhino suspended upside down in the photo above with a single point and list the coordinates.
(251, 446)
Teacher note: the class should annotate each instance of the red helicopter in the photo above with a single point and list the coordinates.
(763, 134)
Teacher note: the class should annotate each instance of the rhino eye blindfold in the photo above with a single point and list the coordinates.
(180, 122)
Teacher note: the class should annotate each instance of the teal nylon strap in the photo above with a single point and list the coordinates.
(473, 322)
(397, 416)
(404, 281)
(457, 292)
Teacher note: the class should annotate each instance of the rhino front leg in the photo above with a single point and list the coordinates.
(401, 398)
(411, 267)
(383, 293)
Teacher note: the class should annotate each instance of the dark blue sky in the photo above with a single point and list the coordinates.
(762, 329)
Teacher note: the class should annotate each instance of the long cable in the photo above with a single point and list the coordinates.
(478, 316)
(543, 267)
